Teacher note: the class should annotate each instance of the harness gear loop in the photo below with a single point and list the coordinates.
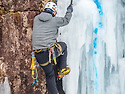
(38, 51)
(59, 47)
(33, 68)
(35, 63)
(54, 56)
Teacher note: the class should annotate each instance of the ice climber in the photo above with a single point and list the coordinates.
(45, 45)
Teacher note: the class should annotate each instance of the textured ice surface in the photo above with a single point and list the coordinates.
(108, 65)
(4, 87)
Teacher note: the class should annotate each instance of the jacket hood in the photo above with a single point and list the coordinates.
(45, 16)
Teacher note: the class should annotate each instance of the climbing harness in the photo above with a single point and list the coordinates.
(33, 68)
(52, 54)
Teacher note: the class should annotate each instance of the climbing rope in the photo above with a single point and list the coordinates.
(34, 69)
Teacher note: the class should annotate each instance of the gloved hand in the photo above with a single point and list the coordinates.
(70, 8)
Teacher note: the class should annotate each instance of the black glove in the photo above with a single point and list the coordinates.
(70, 8)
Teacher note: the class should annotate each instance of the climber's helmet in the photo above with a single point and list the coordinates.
(51, 8)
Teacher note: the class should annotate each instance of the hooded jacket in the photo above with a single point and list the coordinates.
(45, 29)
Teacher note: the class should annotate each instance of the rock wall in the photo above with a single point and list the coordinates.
(16, 22)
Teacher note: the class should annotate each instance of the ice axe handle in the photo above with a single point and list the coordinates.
(71, 2)
(56, 1)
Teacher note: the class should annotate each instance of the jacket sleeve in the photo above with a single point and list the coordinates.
(62, 21)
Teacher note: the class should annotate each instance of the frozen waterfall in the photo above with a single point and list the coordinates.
(96, 56)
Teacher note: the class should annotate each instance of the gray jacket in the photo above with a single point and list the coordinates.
(45, 29)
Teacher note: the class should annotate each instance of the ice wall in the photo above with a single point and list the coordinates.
(75, 37)
(100, 73)
(4, 87)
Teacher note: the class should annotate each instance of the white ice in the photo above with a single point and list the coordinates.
(111, 47)
(4, 87)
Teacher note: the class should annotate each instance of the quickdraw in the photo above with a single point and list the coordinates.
(34, 69)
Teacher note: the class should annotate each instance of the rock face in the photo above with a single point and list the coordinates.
(16, 22)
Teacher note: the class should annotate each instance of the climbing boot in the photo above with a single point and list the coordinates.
(63, 72)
